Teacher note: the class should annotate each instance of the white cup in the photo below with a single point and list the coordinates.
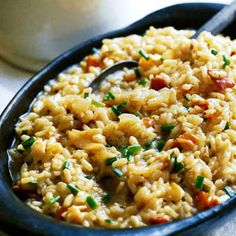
(33, 32)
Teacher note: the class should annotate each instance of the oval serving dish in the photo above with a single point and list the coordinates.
(18, 219)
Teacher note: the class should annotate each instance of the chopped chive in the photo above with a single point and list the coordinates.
(66, 165)
(199, 182)
(109, 221)
(214, 52)
(117, 108)
(150, 145)
(117, 171)
(137, 113)
(106, 198)
(178, 166)
(143, 81)
(125, 153)
(91, 202)
(110, 161)
(160, 145)
(226, 126)
(54, 199)
(97, 104)
(229, 191)
(161, 59)
(144, 54)
(109, 96)
(186, 98)
(167, 128)
(226, 62)
(137, 72)
(88, 176)
(95, 51)
(134, 149)
(86, 95)
(73, 188)
(28, 143)
(187, 107)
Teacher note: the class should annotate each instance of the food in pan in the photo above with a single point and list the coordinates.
(154, 144)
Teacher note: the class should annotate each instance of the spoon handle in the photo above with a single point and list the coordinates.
(219, 21)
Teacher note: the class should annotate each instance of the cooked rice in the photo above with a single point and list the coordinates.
(70, 128)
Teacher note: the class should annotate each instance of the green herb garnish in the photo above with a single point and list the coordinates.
(88, 176)
(117, 171)
(106, 198)
(150, 145)
(110, 161)
(134, 149)
(109, 96)
(118, 109)
(138, 114)
(214, 52)
(160, 145)
(187, 107)
(91, 202)
(66, 165)
(226, 62)
(73, 188)
(161, 59)
(137, 72)
(125, 153)
(97, 104)
(144, 54)
(143, 81)
(86, 95)
(167, 128)
(199, 182)
(54, 199)
(229, 191)
(226, 126)
(109, 221)
(176, 166)
(28, 143)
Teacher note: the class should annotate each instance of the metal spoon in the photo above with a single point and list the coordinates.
(217, 23)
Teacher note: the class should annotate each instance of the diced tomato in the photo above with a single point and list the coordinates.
(204, 201)
(221, 83)
(148, 122)
(158, 220)
(158, 83)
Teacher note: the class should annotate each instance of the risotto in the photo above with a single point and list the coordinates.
(155, 144)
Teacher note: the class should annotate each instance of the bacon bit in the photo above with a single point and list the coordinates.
(201, 104)
(233, 53)
(93, 60)
(148, 122)
(185, 141)
(204, 201)
(158, 220)
(59, 213)
(158, 83)
(221, 83)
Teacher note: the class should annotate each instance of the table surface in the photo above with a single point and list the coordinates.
(12, 79)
